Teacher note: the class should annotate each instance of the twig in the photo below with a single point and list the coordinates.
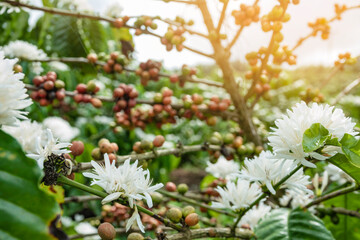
(335, 70)
(92, 17)
(150, 155)
(333, 194)
(239, 233)
(346, 90)
(82, 60)
(311, 34)
(339, 210)
(237, 35)
(85, 198)
(222, 16)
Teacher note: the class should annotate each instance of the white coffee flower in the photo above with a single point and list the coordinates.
(86, 228)
(298, 199)
(287, 138)
(237, 195)
(267, 170)
(127, 180)
(223, 168)
(61, 128)
(23, 50)
(114, 9)
(8, 8)
(13, 95)
(337, 175)
(26, 134)
(58, 66)
(53, 146)
(253, 216)
(324, 183)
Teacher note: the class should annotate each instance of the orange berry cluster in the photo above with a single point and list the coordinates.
(312, 95)
(183, 22)
(320, 25)
(164, 97)
(246, 15)
(144, 22)
(115, 63)
(282, 55)
(217, 104)
(174, 38)
(85, 93)
(121, 21)
(345, 59)
(273, 21)
(49, 89)
(148, 70)
(105, 146)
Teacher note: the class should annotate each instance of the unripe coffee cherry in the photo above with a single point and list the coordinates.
(59, 84)
(158, 141)
(96, 154)
(17, 68)
(170, 186)
(146, 145)
(182, 188)
(135, 236)
(106, 231)
(156, 197)
(103, 140)
(77, 148)
(188, 210)
(192, 219)
(174, 214)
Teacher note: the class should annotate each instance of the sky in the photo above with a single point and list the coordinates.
(344, 36)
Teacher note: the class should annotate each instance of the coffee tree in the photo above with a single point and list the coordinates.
(268, 175)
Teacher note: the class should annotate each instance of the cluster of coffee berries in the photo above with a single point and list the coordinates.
(164, 97)
(339, 10)
(192, 103)
(105, 146)
(148, 70)
(49, 89)
(145, 145)
(345, 59)
(273, 22)
(106, 231)
(125, 98)
(282, 55)
(185, 215)
(218, 104)
(115, 214)
(115, 62)
(186, 73)
(182, 21)
(77, 148)
(321, 25)
(211, 187)
(174, 37)
(246, 15)
(85, 93)
(312, 95)
(143, 23)
(121, 21)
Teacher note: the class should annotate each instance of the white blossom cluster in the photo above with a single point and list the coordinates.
(13, 96)
(126, 181)
(8, 8)
(114, 9)
(269, 169)
(24, 50)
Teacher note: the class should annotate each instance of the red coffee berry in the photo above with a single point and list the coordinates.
(96, 102)
(49, 85)
(81, 88)
(77, 148)
(38, 80)
(106, 231)
(170, 186)
(158, 141)
(192, 219)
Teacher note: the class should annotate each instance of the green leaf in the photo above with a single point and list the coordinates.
(25, 211)
(285, 224)
(349, 162)
(314, 137)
